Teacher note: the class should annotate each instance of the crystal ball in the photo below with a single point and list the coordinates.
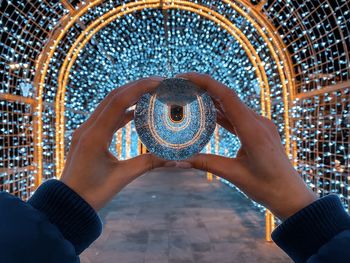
(176, 120)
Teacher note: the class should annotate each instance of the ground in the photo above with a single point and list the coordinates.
(177, 216)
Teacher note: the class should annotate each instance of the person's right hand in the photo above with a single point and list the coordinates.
(261, 169)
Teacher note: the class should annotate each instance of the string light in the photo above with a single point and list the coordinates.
(311, 56)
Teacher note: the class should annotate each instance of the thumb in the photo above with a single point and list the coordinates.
(228, 168)
(128, 170)
(143, 163)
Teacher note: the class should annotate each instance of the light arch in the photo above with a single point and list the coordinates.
(68, 21)
(110, 16)
(275, 46)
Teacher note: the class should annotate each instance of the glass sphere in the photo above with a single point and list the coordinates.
(176, 120)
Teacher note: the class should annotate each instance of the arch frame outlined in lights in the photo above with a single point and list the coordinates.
(276, 49)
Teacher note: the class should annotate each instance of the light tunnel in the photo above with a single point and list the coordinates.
(287, 60)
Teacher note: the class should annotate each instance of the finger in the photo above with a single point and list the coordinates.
(128, 170)
(237, 113)
(142, 163)
(241, 152)
(102, 105)
(221, 118)
(223, 122)
(178, 164)
(217, 104)
(228, 168)
(90, 121)
(129, 116)
(112, 116)
(219, 108)
(85, 126)
(170, 164)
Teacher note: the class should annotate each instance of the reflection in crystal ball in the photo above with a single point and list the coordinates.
(176, 120)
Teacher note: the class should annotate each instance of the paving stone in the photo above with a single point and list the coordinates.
(177, 216)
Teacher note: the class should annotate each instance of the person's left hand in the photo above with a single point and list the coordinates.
(91, 169)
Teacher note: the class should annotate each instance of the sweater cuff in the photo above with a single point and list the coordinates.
(302, 234)
(74, 217)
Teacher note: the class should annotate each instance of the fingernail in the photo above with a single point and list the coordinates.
(181, 75)
(157, 78)
(170, 164)
(183, 165)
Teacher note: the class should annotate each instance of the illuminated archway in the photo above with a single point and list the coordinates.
(308, 57)
(44, 60)
(275, 50)
(94, 27)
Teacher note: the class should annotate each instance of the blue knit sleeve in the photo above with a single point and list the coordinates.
(316, 232)
(55, 225)
(75, 218)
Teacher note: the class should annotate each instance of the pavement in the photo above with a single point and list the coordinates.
(178, 216)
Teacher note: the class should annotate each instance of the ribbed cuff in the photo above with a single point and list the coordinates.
(302, 234)
(75, 218)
